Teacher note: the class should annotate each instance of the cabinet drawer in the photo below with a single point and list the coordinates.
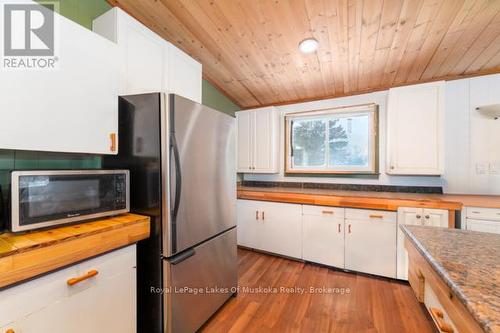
(323, 211)
(366, 214)
(483, 213)
(26, 298)
(437, 311)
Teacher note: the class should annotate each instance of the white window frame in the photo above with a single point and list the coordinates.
(371, 169)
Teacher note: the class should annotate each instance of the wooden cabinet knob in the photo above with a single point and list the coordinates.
(90, 274)
(10, 330)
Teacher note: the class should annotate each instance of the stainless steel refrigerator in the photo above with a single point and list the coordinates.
(181, 157)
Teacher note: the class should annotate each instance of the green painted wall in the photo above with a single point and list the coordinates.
(82, 11)
(213, 98)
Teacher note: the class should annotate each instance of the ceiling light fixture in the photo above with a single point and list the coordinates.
(308, 45)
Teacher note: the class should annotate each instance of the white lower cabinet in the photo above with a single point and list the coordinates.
(354, 239)
(483, 219)
(323, 235)
(105, 302)
(370, 242)
(416, 216)
(269, 226)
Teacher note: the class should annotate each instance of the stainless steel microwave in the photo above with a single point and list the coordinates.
(41, 199)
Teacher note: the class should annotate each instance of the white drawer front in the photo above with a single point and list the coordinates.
(21, 300)
(483, 213)
(366, 214)
(323, 211)
(484, 226)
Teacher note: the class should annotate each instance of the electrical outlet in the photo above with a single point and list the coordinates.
(480, 168)
(494, 167)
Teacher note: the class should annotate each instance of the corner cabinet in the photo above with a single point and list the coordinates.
(416, 216)
(105, 302)
(147, 62)
(257, 138)
(415, 130)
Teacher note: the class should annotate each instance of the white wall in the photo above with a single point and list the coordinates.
(469, 139)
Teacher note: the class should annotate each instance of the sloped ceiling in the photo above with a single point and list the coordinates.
(248, 48)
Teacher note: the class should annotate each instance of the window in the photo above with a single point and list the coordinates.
(332, 141)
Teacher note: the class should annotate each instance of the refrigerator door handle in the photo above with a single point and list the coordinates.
(182, 256)
(178, 178)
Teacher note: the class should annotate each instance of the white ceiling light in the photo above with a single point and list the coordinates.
(308, 45)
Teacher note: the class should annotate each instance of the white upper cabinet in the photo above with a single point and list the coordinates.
(72, 108)
(415, 130)
(148, 63)
(184, 76)
(257, 138)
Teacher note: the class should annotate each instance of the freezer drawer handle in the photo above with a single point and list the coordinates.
(182, 256)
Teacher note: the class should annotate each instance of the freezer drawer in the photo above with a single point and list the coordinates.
(198, 282)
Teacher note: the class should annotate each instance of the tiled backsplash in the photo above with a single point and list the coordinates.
(346, 187)
(17, 159)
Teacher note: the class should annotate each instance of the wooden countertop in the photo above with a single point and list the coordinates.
(370, 200)
(24, 256)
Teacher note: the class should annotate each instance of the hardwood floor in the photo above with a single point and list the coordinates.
(372, 305)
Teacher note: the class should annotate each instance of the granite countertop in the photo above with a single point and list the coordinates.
(491, 201)
(469, 263)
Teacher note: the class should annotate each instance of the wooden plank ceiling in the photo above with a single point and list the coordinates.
(248, 48)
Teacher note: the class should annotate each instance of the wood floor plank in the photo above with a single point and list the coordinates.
(341, 302)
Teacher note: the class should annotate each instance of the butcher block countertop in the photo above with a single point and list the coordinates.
(27, 255)
(468, 263)
(363, 199)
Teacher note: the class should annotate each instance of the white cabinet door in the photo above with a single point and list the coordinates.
(435, 217)
(249, 223)
(415, 216)
(244, 140)
(148, 62)
(258, 132)
(408, 216)
(73, 108)
(282, 229)
(415, 125)
(265, 141)
(144, 59)
(142, 56)
(184, 77)
(370, 245)
(323, 235)
(483, 226)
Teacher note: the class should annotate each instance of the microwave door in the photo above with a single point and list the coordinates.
(47, 198)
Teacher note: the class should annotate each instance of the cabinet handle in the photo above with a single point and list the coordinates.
(330, 212)
(373, 216)
(419, 216)
(349, 228)
(438, 316)
(112, 138)
(427, 217)
(339, 228)
(256, 214)
(263, 216)
(90, 274)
